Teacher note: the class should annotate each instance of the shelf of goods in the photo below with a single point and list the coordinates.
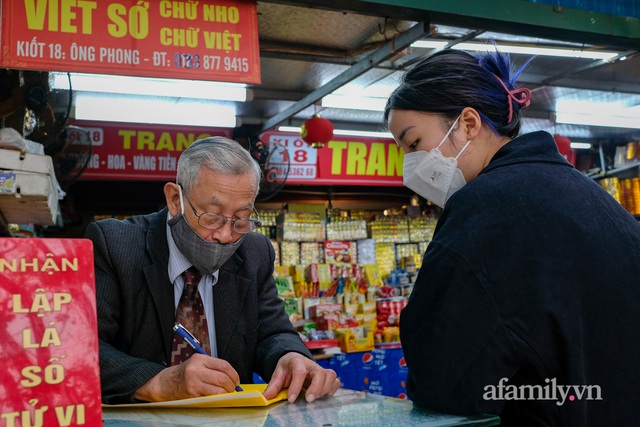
(344, 279)
(625, 191)
(622, 181)
(623, 187)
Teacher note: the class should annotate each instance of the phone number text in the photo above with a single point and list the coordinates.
(210, 62)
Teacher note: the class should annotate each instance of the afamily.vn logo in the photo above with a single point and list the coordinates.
(551, 391)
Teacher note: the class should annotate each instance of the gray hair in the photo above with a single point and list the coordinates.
(221, 155)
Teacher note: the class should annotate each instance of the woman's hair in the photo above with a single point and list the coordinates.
(450, 80)
(221, 155)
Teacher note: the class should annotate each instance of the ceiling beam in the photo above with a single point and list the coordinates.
(307, 57)
(590, 67)
(451, 44)
(535, 83)
(521, 17)
(388, 50)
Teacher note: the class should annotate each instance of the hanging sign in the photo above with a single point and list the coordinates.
(49, 342)
(196, 40)
(342, 161)
(303, 158)
(131, 151)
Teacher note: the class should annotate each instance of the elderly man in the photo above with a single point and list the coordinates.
(197, 263)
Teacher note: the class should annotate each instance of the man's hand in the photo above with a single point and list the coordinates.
(295, 372)
(200, 375)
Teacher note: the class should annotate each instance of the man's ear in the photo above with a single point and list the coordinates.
(172, 196)
(470, 122)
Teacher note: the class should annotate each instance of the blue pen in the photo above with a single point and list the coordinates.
(188, 337)
(193, 342)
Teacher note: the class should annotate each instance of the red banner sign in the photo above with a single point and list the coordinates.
(49, 342)
(342, 161)
(197, 40)
(133, 151)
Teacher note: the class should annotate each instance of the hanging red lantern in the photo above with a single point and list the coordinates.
(564, 147)
(316, 131)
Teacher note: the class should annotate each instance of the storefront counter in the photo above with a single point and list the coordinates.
(345, 408)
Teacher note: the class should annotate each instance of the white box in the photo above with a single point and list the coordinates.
(33, 197)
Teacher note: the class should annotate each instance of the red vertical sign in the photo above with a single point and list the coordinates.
(48, 338)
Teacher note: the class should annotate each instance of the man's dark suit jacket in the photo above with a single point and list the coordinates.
(136, 308)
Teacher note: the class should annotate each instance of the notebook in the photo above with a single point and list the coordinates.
(251, 396)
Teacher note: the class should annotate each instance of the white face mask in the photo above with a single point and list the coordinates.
(432, 175)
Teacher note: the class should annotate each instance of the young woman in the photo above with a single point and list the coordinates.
(528, 300)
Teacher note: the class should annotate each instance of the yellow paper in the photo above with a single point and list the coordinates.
(251, 396)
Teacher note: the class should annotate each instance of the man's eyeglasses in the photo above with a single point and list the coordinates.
(213, 221)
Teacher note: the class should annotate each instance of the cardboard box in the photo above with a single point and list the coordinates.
(328, 321)
(336, 252)
(380, 371)
(32, 196)
(293, 308)
(356, 339)
(322, 309)
(352, 309)
(368, 307)
(282, 270)
(284, 285)
(369, 320)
